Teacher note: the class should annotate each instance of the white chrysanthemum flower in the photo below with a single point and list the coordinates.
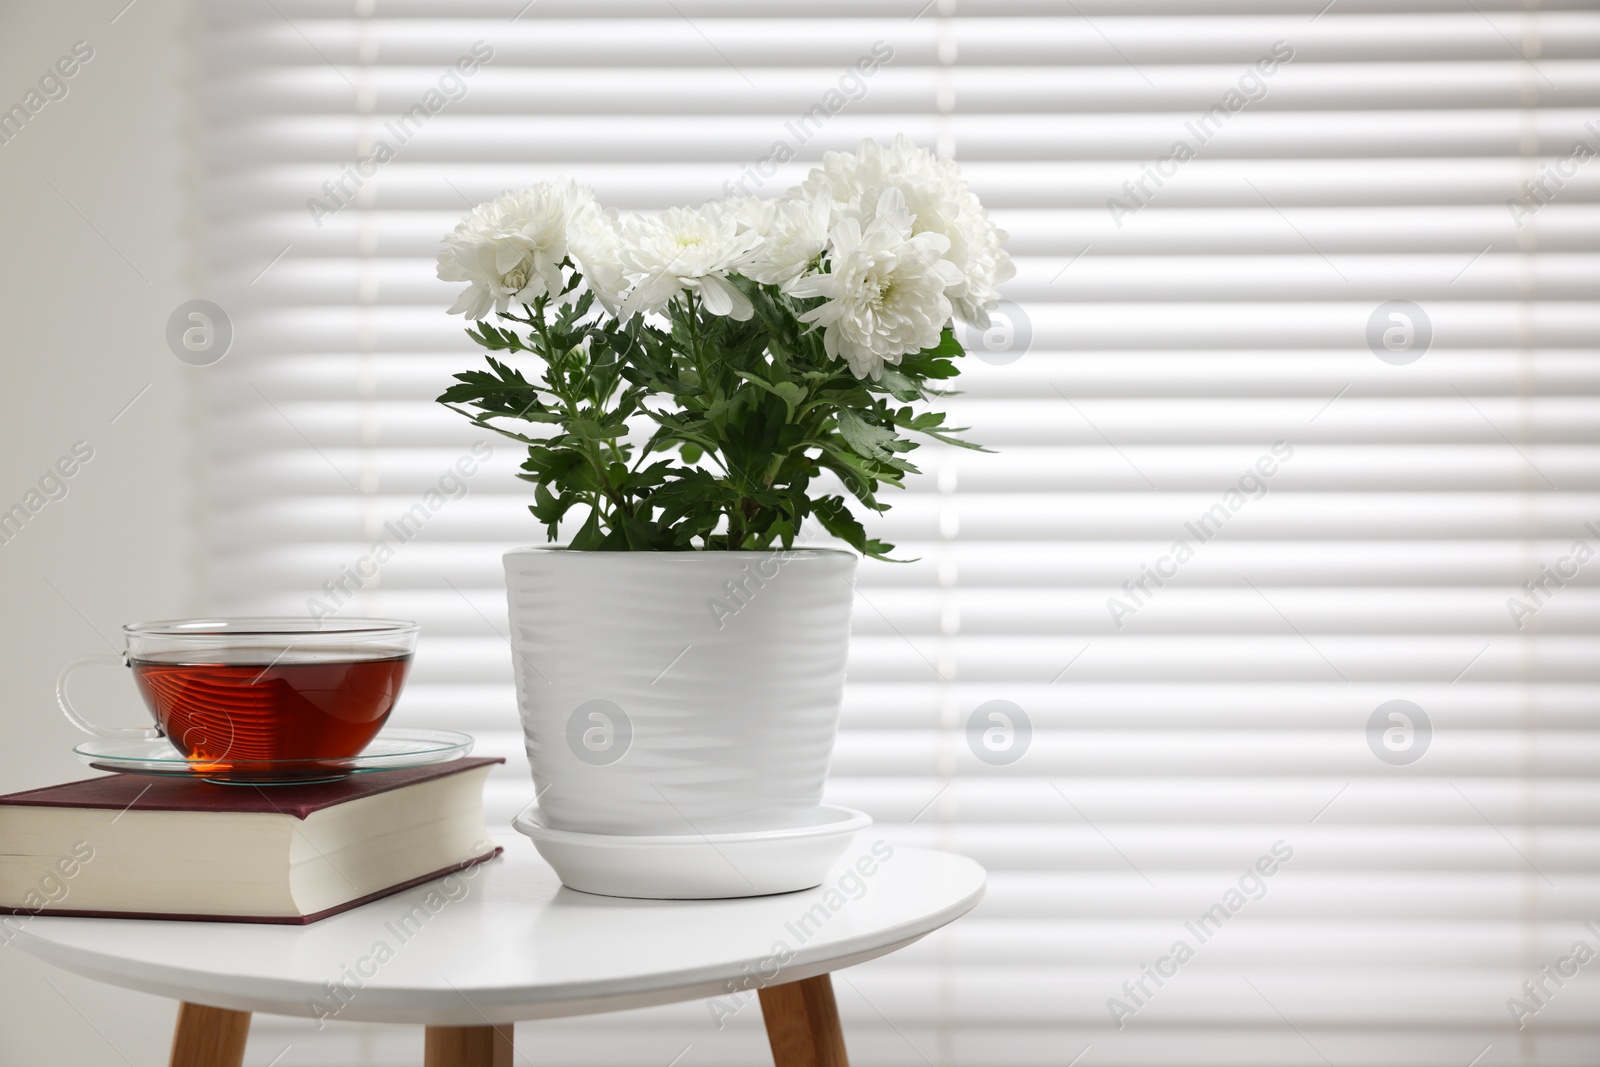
(939, 199)
(511, 248)
(844, 176)
(976, 246)
(794, 233)
(885, 290)
(685, 250)
(594, 240)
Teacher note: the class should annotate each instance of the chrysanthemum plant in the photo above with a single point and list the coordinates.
(701, 373)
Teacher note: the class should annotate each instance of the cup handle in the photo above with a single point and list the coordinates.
(143, 733)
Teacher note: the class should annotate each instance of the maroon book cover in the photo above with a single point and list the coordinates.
(122, 792)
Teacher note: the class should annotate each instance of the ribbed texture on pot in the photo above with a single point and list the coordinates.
(727, 669)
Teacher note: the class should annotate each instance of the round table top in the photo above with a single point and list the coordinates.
(506, 941)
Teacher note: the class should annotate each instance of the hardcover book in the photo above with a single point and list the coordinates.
(128, 846)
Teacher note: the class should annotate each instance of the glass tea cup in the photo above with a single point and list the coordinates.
(260, 690)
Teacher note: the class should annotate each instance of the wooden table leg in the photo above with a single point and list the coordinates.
(468, 1046)
(209, 1037)
(803, 1024)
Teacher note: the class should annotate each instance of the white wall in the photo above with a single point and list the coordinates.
(83, 334)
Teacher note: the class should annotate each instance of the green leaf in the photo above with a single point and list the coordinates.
(590, 537)
(792, 395)
(865, 439)
(948, 345)
(931, 423)
(899, 385)
(789, 392)
(496, 339)
(587, 429)
(837, 520)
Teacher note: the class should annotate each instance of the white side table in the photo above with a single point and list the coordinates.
(467, 956)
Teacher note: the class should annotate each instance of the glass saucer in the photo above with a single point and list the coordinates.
(390, 750)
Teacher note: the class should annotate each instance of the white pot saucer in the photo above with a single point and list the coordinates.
(696, 866)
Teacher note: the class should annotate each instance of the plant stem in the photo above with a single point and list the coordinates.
(696, 356)
(556, 379)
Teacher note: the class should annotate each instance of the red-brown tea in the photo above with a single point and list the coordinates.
(246, 704)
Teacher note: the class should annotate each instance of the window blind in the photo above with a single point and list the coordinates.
(1269, 630)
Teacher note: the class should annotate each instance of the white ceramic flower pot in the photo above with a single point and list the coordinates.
(671, 693)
